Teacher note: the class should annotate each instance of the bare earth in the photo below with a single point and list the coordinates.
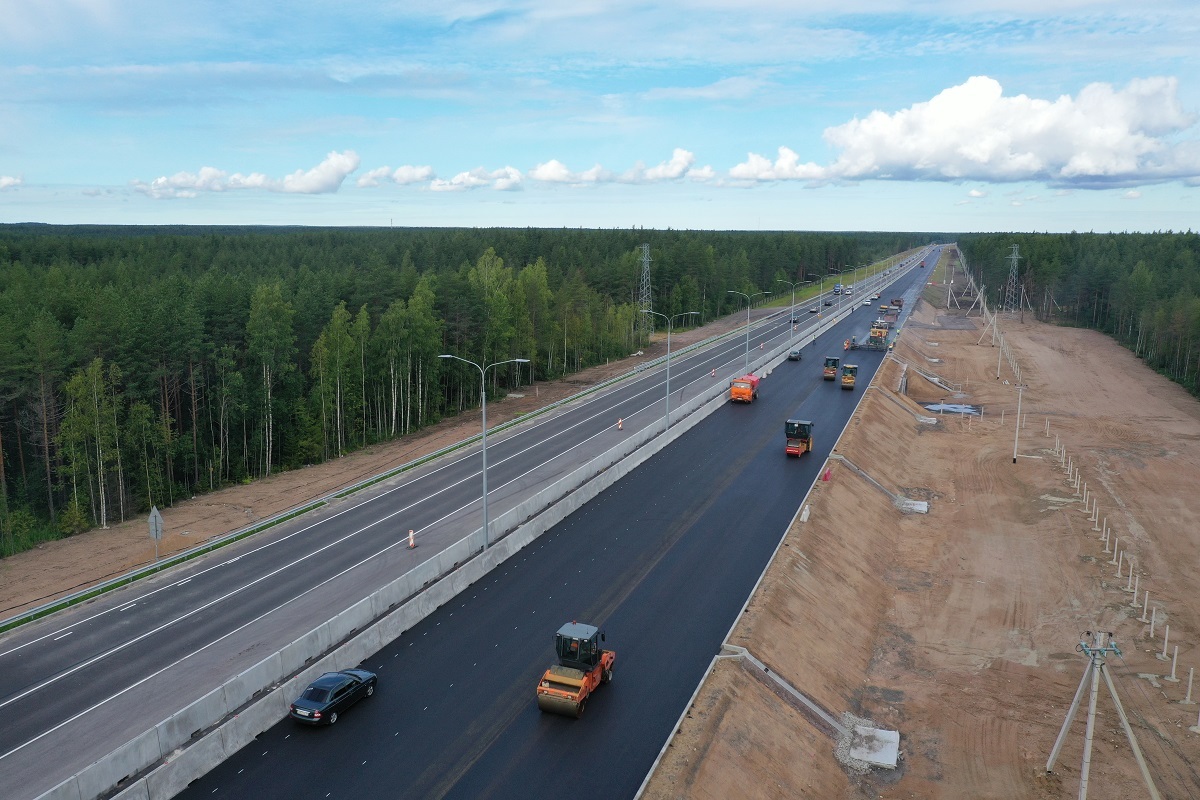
(959, 628)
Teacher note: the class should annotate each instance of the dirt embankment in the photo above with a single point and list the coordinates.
(959, 627)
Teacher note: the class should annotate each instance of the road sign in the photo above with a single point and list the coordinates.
(156, 524)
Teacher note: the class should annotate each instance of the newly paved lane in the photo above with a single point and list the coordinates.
(663, 561)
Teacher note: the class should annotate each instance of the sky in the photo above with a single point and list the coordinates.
(835, 115)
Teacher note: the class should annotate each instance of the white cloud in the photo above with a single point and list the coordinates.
(324, 178)
(402, 175)
(1132, 194)
(371, 177)
(786, 167)
(738, 88)
(9, 181)
(678, 166)
(504, 179)
(410, 174)
(554, 171)
(976, 193)
(1103, 137)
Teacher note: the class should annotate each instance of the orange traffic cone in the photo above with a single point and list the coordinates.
(714, 372)
(620, 423)
(825, 477)
(412, 542)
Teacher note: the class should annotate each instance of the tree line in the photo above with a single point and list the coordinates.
(141, 365)
(1141, 289)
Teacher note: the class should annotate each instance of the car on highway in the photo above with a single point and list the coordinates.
(795, 318)
(866, 301)
(331, 694)
(828, 302)
(814, 310)
(794, 355)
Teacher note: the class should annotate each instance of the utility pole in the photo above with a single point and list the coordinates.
(1010, 288)
(1096, 652)
(645, 299)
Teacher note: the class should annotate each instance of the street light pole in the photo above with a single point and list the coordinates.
(820, 303)
(749, 298)
(792, 317)
(483, 399)
(669, 320)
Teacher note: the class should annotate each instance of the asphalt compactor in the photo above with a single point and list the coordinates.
(582, 666)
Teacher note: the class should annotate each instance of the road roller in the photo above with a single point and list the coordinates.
(582, 666)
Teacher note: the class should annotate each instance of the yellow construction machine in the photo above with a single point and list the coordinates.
(582, 666)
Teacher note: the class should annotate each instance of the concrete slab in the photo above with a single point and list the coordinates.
(877, 747)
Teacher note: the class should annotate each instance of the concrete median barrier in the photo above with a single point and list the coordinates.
(180, 727)
(184, 766)
(244, 686)
(252, 720)
(123, 763)
(380, 618)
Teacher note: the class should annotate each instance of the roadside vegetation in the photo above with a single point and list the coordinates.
(1141, 289)
(139, 366)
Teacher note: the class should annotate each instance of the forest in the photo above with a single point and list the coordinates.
(1141, 289)
(143, 365)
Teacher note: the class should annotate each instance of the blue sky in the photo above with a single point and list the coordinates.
(1055, 115)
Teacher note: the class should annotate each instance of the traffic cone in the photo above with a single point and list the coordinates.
(714, 372)
(825, 477)
(620, 423)
(412, 541)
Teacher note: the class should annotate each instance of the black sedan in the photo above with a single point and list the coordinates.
(828, 302)
(331, 694)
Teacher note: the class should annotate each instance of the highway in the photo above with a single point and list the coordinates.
(662, 561)
(84, 679)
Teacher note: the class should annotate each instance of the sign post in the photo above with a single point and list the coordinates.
(156, 528)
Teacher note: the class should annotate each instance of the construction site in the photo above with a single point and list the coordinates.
(1007, 524)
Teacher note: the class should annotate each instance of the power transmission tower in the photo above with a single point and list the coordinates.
(1010, 290)
(646, 301)
(1096, 668)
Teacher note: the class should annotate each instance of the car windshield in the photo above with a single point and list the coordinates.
(315, 694)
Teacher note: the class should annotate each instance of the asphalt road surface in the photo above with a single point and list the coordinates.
(662, 561)
(81, 681)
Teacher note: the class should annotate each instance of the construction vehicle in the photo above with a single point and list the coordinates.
(799, 437)
(898, 303)
(877, 339)
(582, 666)
(849, 373)
(922, 263)
(744, 389)
(831, 367)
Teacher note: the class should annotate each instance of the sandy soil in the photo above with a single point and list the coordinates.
(59, 568)
(959, 628)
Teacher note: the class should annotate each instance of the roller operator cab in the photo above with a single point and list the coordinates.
(799, 436)
(582, 666)
(831, 367)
